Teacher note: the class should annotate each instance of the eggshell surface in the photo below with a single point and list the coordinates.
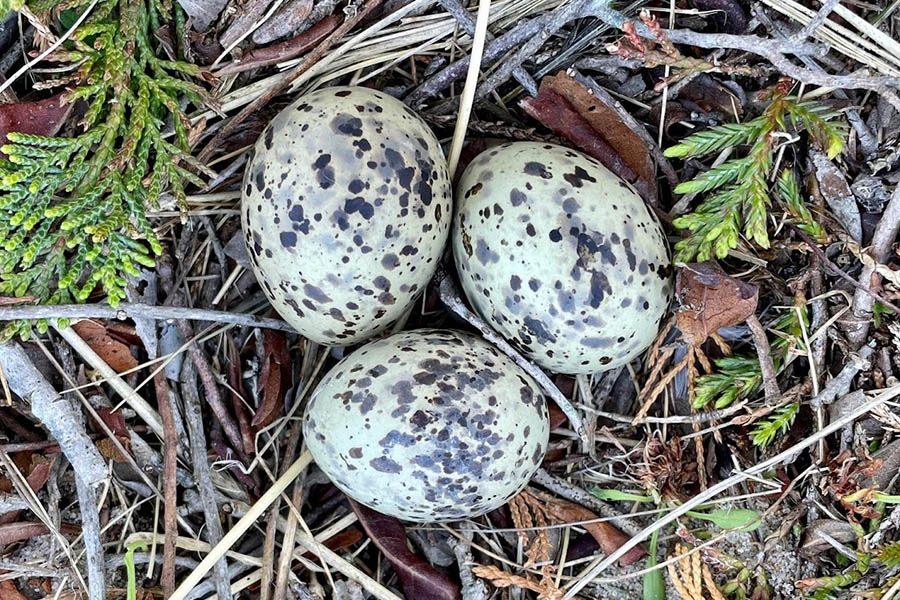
(346, 208)
(428, 425)
(560, 256)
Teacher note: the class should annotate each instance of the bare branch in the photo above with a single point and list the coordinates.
(127, 310)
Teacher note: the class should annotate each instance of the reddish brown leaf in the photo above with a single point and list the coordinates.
(606, 534)
(116, 354)
(569, 109)
(339, 541)
(275, 378)
(420, 580)
(38, 118)
(115, 420)
(241, 412)
(16, 532)
(557, 416)
(711, 299)
(9, 591)
(36, 469)
(39, 472)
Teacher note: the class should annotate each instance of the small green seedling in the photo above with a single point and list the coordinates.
(131, 589)
(742, 519)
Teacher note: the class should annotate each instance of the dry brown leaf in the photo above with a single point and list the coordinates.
(568, 108)
(419, 579)
(108, 449)
(9, 591)
(274, 377)
(606, 534)
(113, 352)
(711, 299)
(39, 118)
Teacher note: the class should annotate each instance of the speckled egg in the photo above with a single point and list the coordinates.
(560, 256)
(345, 209)
(428, 425)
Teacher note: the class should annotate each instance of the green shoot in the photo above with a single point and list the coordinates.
(739, 376)
(781, 421)
(131, 585)
(742, 519)
(739, 191)
(654, 586)
(889, 555)
(619, 496)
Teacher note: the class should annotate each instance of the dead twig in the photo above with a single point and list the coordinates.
(441, 80)
(194, 418)
(290, 533)
(66, 425)
(128, 310)
(284, 83)
(840, 385)
(170, 450)
(810, 28)
(452, 299)
(882, 239)
(766, 365)
(211, 387)
(456, 9)
(270, 55)
(90, 534)
(57, 414)
(860, 287)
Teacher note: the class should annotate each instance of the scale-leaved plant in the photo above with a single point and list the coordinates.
(73, 209)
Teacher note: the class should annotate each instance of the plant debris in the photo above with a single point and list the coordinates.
(153, 400)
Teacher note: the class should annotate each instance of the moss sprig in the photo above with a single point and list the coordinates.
(767, 429)
(73, 209)
(739, 376)
(739, 195)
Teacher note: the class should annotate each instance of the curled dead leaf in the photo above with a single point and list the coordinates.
(420, 580)
(113, 352)
(711, 299)
(812, 543)
(607, 535)
(570, 109)
(274, 377)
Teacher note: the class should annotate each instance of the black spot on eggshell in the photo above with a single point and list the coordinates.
(347, 125)
(537, 169)
(288, 239)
